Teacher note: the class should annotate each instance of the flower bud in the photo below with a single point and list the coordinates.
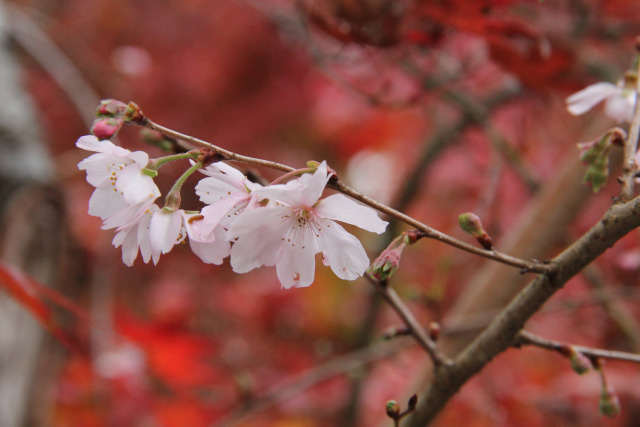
(413, 401)
(111, 108)
(388, 261)
(470, 223)
(105, 128)
(609, 404)
(579, 362)
(393, 409)
(434, 331)
(133, 115)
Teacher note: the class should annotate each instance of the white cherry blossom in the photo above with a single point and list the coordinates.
(168, 227)
(134, 236)
(119, 177)
(295, 226)
(227, 191)
(619, 101)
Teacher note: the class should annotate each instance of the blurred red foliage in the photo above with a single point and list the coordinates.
(185, 344)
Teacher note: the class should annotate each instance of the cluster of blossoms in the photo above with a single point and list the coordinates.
(281, 225)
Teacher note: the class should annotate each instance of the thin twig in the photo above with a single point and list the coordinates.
(631, 146)
(409, 320)
(526, 266)
(528, 338)
(228, 155)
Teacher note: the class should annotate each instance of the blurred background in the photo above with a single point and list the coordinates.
(434, 107)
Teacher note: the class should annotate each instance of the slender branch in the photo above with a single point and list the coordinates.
(631, 145)
(228, 155)
(526, 266)
(528, 338)
(503, 331)
(409, 320)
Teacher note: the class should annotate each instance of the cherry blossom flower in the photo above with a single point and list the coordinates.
(296, 225)
(619, 100)
(210, 245)
(119, 177)
(134, 236)
(168, 227)
(226, 190)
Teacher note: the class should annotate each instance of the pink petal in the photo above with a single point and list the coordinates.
(297, 265)
(343, 252)
(91, 143)
(314, 184)
(165, 230)
(341, 208)
(584, 100)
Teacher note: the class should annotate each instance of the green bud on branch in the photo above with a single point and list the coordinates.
(470, 223)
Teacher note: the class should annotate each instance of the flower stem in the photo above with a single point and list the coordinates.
(172, 200)
(155, 164)
(287, 176)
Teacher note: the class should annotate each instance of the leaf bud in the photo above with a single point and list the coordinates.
(579, 362)
(597, 173)
(413, 401)
(470, 223)
(609, 404)
(393, 409)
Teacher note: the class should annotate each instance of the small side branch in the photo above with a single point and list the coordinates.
(410, 321)
(527, 338)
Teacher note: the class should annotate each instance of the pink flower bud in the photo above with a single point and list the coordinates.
(111, 108)
(105, 128)
(388, 261)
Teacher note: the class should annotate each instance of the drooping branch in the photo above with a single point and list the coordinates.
(525, 265)
(503, 331)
